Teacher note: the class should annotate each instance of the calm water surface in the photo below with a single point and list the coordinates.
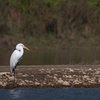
(55, 56)
(50, 94)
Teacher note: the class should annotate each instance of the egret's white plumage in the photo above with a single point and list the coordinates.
(16, 56)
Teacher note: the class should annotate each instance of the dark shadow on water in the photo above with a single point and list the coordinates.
(56, 56)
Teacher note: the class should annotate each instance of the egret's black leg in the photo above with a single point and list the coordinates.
(14, 75)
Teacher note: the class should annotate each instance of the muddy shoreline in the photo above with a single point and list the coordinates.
(51, 76)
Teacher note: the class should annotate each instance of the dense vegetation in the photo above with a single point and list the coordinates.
(40, 23)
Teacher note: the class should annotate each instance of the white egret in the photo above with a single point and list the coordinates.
(16, 56)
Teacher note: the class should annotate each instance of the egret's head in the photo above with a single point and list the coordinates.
(21, 46)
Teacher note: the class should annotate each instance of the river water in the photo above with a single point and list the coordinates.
(55, 56)
(50, 94)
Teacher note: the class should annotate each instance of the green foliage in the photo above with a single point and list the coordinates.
(94, 2)
(53, 3)
(68, 21)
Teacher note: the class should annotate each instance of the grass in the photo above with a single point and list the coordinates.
(50, 23)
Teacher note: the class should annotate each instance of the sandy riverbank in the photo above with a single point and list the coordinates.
(51, 76)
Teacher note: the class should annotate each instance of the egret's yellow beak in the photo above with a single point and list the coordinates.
(26, 48)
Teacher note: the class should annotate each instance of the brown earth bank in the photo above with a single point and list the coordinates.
(51, 76)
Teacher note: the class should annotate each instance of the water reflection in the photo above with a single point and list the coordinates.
(56, 56)
(15, 94)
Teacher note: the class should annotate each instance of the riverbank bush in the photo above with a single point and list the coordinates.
(51, 22)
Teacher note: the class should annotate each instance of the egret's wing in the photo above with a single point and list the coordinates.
(14, 59)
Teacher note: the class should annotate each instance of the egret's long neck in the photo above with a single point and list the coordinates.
(21, 51)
